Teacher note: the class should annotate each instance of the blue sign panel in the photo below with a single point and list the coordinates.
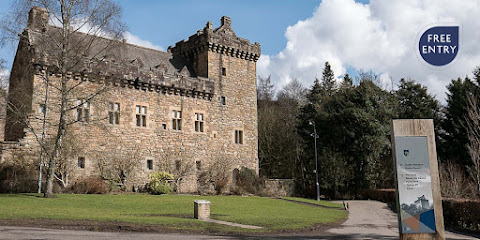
(438, 46)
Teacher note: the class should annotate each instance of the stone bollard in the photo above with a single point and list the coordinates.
(201, 209)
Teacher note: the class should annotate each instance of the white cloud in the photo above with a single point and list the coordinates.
(133, 39)
(4, 75)
(378, 36)
(86, 27)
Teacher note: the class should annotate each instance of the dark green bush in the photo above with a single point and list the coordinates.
(462, 214)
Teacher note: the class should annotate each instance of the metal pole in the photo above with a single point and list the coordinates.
(316, 162)
(43, 135)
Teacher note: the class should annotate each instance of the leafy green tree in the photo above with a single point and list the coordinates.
(354, 137)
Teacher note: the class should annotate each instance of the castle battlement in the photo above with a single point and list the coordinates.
(221, 40)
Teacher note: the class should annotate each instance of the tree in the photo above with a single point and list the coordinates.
(3, 97)
(353, 124)
(265, 89)
(279, 144)
(455, 136)
(347, 81)
(328, 79)
(472, 122)
(72, 45)
(119, 166)
(294, 90)
(415, 102)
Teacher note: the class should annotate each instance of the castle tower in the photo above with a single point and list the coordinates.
(230, 61)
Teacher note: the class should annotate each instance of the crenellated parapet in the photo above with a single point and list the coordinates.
(221, 40)
(200, 88)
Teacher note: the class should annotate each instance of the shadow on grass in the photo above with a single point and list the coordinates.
(21, 195)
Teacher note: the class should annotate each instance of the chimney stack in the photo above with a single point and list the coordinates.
(38, 19)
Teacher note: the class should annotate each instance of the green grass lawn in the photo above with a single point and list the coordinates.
(169, 211)
(321, 202)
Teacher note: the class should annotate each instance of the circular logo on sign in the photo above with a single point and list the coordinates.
(438, 45)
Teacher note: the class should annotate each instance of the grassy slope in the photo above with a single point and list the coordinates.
(171, 211)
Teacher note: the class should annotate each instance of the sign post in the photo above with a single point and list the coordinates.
(419, 200)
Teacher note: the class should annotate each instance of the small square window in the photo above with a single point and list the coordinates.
(223, 100)
(114, 113)
(177, 120)
(224, 72)
(150, 164)
(141, 116)
(199, 122)
(238, 136)
(164, 126)
(81, 162)
(83, 110)
(198, 165)
(178, 164)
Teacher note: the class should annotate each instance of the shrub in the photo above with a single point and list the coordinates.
(158, 183)
(18, 173)
(462, 214)
(91, 186)
(248, 181)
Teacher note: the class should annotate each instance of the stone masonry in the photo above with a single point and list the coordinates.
(209, 78)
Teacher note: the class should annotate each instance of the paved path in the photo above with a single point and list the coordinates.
(374, 220)
(24, 233)
(367, 220)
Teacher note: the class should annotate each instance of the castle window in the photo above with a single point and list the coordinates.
(224, 72)
(178, 164)
(238, 136)
(141, 116)
(150, 164)
(176, 120)
(223, 100)
(83, 110)
(198, 165)
(114, 113)
(81, 162)
(164, 126)
(198, 122)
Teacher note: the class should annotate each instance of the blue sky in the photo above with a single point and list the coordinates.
(297, 37)
(165, 22)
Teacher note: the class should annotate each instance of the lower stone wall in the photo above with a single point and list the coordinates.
(280, 187)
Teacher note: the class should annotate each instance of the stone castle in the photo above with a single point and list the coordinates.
(185, 111)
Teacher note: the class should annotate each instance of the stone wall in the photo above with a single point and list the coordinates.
(229, 104)
(280, 187)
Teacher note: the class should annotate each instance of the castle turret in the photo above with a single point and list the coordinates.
(218, 54)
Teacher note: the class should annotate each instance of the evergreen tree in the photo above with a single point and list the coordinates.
(347, 81)
(415, 102)
(455, 133)
(328, 79)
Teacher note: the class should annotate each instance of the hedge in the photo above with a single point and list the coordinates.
(460, 214)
